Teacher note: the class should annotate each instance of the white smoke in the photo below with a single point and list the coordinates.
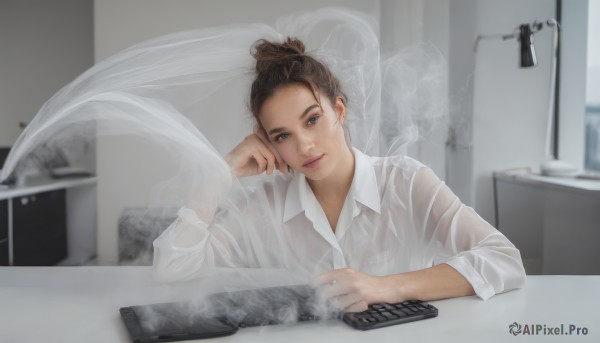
(160, 93)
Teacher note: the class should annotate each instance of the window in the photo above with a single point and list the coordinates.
(592, 99)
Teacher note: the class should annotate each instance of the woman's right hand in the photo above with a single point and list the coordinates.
(255, 155)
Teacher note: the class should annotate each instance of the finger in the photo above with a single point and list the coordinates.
(357, 307)
(347, 301)
(328, 277)
(334, 290)
(257, 144)
(270, 164)
(261, 163)
(261, 134)
(268, 156)
(281, 166)
(322, 279)
(280, 163)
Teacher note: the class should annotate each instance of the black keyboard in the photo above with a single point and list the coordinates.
(381, 315)
(224, 313)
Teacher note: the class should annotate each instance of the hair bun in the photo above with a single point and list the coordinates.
(267, 53)
(294, 44)
(279, 64)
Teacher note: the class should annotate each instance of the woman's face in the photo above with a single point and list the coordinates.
(309, 138)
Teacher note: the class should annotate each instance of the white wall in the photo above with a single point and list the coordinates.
(405, 23)
(461, 61)
(510, 105)
(43, 46)
(498, 111)
(119, 24)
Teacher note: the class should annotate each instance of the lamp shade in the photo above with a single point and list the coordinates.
(527, 55)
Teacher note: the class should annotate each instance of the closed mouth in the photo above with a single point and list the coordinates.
(313, 160)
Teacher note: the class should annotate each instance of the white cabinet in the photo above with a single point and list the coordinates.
(555, 222)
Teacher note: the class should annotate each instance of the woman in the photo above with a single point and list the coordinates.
(374, 229)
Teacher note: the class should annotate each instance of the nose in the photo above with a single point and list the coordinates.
(306, 144)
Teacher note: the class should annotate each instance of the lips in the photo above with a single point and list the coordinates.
(313, 162)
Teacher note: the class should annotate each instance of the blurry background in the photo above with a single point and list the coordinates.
(498, 111)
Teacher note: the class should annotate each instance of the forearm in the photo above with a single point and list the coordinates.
(438, 282)
(352, 290)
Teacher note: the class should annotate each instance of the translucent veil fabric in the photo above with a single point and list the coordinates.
(161, 89)
(184, 93)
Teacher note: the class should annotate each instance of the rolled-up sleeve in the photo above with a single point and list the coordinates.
(455, 234)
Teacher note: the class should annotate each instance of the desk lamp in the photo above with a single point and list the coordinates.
(527, 58)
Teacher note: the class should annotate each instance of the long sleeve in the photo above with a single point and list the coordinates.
(190, 248)
(187, 249)
(454, 234)
(245, 232)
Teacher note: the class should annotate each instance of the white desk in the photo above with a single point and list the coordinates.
(80, 304)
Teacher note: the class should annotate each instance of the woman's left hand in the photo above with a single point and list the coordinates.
(353, 291)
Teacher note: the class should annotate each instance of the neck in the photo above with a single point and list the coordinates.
(338, 183)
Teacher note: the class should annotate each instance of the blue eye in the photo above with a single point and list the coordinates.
(281, 137)
(313, 120)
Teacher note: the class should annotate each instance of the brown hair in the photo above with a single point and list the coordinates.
(281, 64)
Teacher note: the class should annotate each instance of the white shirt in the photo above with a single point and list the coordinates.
(397, 217)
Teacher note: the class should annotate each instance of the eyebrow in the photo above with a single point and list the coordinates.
(306, 111)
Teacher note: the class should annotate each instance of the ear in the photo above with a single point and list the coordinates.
(340, 109)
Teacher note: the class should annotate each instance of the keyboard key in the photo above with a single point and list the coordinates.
(399, 313)
(379, 317)
(389, 315)
(389, 307)
(408, 311)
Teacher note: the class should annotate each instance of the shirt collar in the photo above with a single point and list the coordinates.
(364, 188)
(364, 184)
(295, 200)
